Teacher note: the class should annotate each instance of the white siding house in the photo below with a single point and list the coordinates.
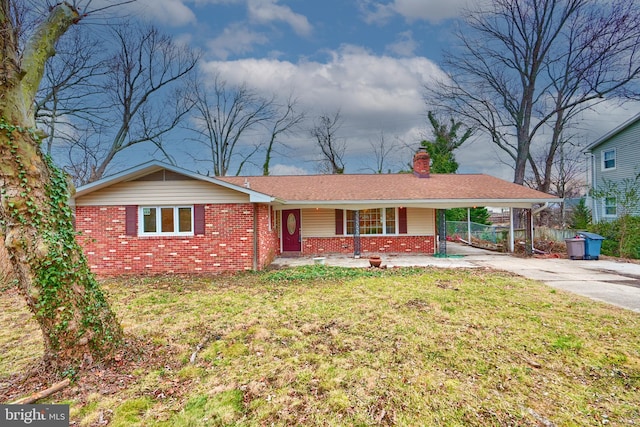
(615, 157)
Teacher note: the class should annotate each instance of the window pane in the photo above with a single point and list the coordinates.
(609, 159)
(610, 206)
(184, 218)
(149, 220)
(371, 221)
(167, 220)
(390, 220)
(350, 225)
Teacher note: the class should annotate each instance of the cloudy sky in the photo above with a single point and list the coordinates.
(369, 59)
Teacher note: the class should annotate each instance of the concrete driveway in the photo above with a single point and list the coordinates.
(613, 282)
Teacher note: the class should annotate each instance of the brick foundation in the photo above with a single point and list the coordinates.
(369, 244)
(227, 244)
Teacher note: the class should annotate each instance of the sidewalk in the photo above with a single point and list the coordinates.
(616, 283)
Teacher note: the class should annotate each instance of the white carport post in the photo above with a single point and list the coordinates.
(511, 231)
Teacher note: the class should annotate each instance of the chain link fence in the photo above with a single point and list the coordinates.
(500, 234)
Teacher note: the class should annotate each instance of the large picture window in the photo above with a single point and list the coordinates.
(373, 221)
(166, 220)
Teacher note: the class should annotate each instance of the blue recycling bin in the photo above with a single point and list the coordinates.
(592, 244)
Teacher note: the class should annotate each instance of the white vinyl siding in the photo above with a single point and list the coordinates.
(186, 192)
(626, 146)
(318, 223)
(420, 222)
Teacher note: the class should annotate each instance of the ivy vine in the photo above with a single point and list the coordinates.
(64, 264)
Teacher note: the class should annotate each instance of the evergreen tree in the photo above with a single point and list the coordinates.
(440, 149)
(581, 216)
(445, 140)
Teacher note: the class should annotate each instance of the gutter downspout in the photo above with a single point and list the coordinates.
(594, 205)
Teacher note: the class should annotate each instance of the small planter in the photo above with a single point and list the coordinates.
(319, 260)
(375, 261)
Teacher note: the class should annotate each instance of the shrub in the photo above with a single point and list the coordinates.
(622, 236)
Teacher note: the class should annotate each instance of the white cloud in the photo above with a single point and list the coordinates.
(373, 94)
(280, 169)
(433, 11)
(236, 39)
(267, 11)
(405, 46)
(168, 12)
(353, 79)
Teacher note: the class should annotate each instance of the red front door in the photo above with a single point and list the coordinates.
(291, 230)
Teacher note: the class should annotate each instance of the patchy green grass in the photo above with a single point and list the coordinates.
(324, 345)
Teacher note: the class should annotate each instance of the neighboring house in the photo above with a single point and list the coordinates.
(158, 218)
(615, 157)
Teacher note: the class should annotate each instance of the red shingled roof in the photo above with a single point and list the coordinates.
(391, 187)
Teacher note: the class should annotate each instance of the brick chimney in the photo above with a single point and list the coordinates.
(421, 161)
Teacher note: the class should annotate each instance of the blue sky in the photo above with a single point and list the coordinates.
(370, 59)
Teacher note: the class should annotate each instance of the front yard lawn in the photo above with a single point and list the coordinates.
(324, 345)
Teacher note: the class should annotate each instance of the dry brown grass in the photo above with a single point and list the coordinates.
(328, 346)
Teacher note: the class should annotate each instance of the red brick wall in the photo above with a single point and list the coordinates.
(369, 244)
(269, 243)
(227, 244)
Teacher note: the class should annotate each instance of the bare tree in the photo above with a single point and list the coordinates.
(223, 115)
(147, 88)
(36, 225)
(97, 104)
(531, 65)
(283, 124)
(566, 178)
(331, 146)
(65, 104)
(382, 150)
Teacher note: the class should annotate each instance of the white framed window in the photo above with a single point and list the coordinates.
(165, 221)
(610, 207)
(609, 159)
(379, 221)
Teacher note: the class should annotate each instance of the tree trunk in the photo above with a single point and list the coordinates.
(36, 223)
(51, 271)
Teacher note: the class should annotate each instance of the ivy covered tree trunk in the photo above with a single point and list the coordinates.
(36, 223)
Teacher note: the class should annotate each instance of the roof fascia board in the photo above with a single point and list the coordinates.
(435, 204)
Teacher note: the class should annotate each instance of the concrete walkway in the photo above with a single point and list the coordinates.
(616, 283)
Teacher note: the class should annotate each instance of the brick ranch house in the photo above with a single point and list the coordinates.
(156, 218)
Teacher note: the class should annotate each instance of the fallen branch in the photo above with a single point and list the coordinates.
(200, 346)
(44, 393)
